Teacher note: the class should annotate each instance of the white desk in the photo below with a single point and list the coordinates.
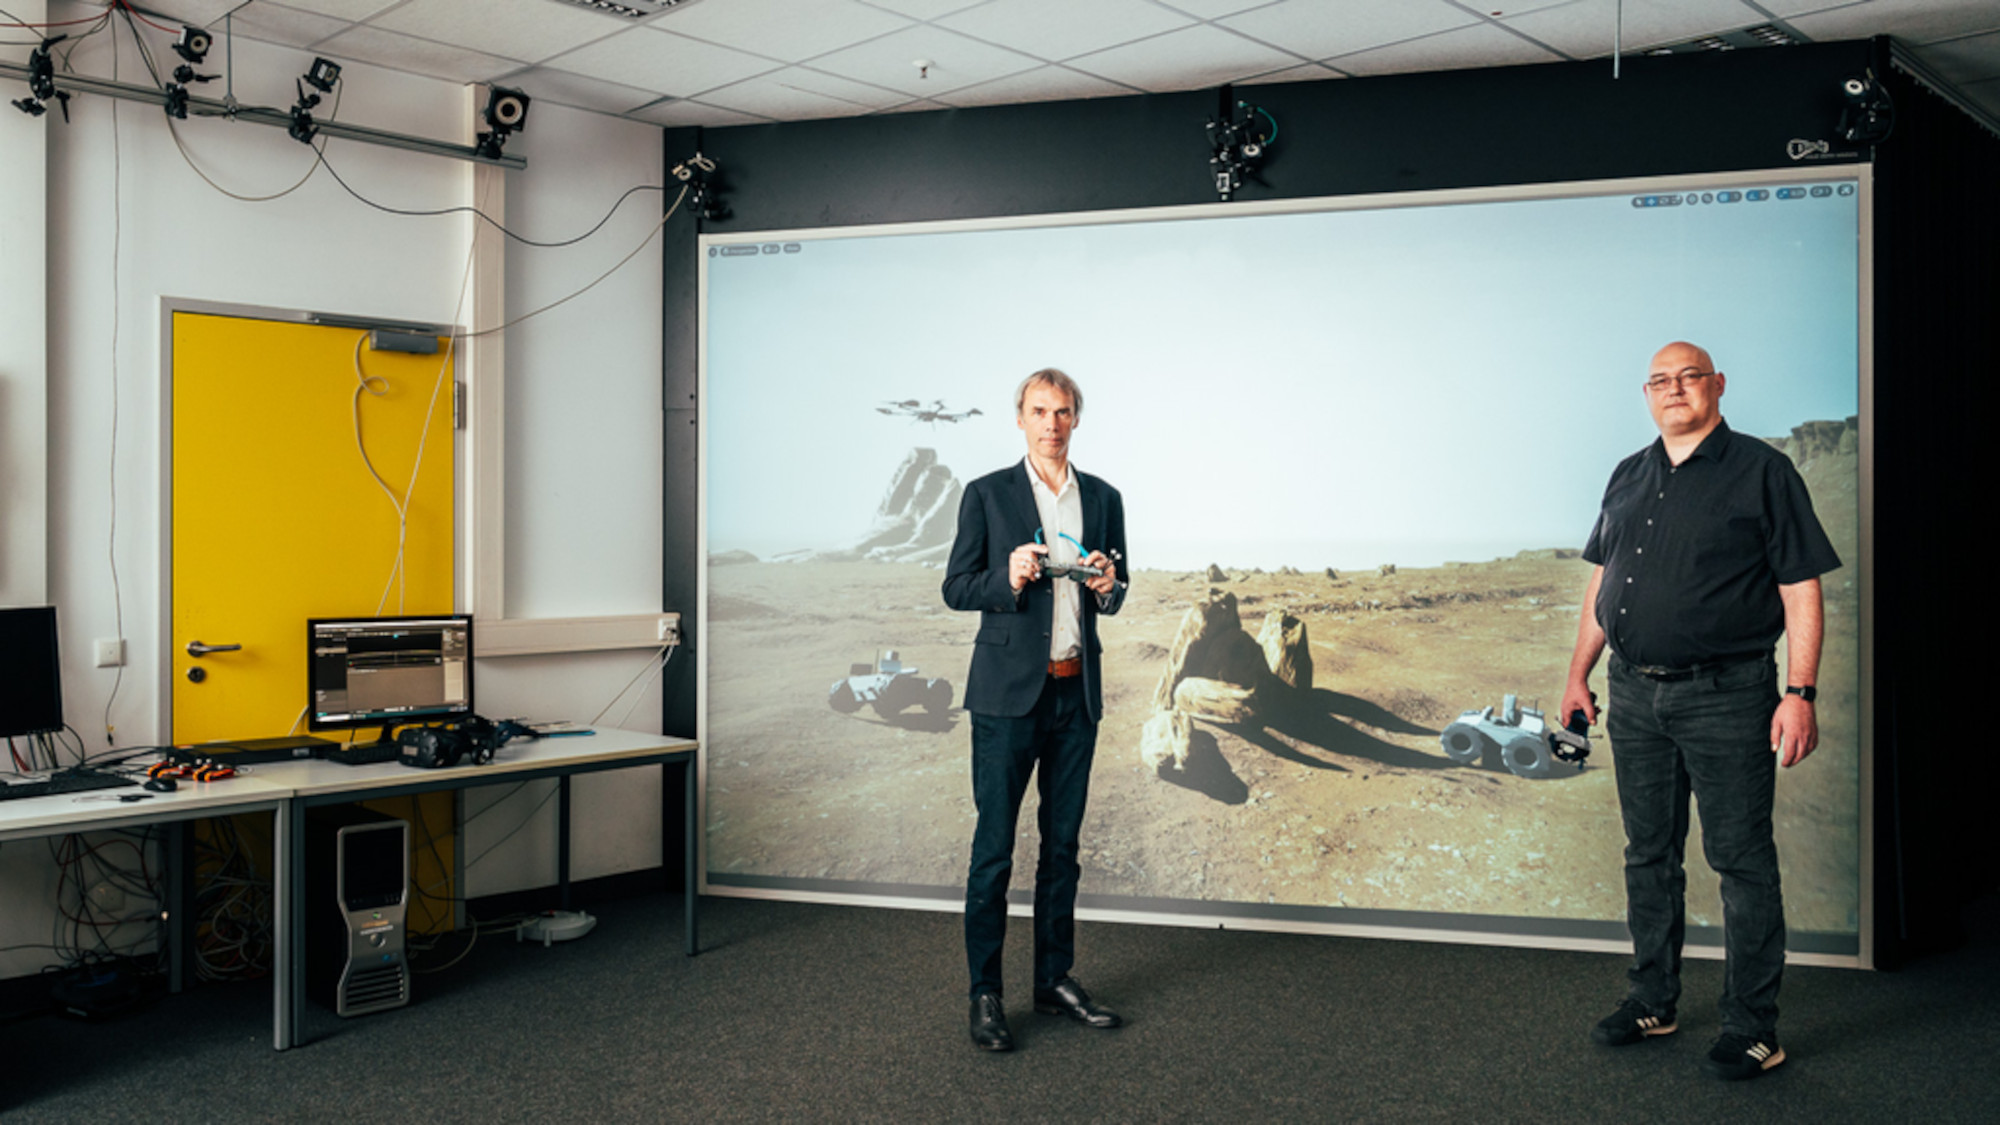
(100, 810)
(314, 782)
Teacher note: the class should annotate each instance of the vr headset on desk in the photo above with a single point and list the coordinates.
(473, 738)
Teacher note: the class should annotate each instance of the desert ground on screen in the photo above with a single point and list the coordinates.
(1358, 807)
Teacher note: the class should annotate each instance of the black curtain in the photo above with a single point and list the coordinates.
(1937, 336)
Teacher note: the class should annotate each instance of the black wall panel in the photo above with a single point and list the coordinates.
(1699, 113)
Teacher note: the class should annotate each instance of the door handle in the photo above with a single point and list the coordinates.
(197, 649)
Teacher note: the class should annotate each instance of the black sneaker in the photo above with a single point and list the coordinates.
(1736, 1057)
(1633, 1022)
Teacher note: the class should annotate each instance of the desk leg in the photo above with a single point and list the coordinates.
(286, 885)
(179, 844)
(692, 861)
(562, 838)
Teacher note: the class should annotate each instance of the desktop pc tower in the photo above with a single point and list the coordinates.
(357, 898)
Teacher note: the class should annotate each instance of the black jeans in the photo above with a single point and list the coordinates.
(1056, 742)
(1710, 735)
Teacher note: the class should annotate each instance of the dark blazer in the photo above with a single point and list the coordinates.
(1010, 656)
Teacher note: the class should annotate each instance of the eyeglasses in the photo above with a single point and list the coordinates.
(1676, 382)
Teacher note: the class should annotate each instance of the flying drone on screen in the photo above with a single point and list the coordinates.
(917, 412)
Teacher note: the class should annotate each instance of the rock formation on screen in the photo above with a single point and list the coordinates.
(915, 521)
(1217, 672)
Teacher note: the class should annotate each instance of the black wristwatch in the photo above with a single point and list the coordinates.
(1807, 693)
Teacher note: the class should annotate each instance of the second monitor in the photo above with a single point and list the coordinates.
(387, 671)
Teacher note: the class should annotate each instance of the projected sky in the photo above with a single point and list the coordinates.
(1411, 385)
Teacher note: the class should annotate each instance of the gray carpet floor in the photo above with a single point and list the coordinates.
(814, 1013)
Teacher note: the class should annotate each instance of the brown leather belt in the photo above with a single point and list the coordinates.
(1064, 669)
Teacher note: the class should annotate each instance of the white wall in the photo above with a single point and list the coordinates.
(583, 392)
(23, 355)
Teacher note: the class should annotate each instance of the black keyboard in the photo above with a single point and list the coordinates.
(62, 783)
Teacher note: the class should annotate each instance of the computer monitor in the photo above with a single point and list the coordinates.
(30, 672)
(387, 671)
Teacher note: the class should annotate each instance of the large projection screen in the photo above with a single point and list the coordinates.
(1386, 419)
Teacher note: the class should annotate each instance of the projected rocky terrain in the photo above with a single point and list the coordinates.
(1292, 757)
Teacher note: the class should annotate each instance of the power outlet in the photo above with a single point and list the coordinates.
(111, 653)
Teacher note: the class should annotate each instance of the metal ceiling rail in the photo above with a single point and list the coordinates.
(264, 115)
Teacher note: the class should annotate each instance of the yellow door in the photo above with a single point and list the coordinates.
(276, 517)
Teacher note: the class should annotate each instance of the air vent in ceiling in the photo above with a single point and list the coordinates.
(629, 9)
(1763, 35)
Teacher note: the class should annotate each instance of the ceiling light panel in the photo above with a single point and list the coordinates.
(1587, 29)
(530, 30)
(626, 9)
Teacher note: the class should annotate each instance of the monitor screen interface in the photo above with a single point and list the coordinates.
(30, 672)
(379, 671)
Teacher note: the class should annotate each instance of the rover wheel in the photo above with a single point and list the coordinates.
(843, 699)
(1463, 743)
(937, 696)
(1529, 756)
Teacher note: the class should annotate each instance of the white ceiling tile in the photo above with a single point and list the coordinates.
(1973, 58)
(956, 62)
(1043, 84)
(561, 87)
(1914, 21)
(678, 113)
(1482, 44)
(923, 9)
(1188, 59)
(1061, 29)
(796, 93)
(783, 29)
(1212, 9)
(1310, 72)
(659, 60)
(517, 29)
(1584, 29)
(353, 11)
(275, 23)
(1520, 7)
(417, 56)
(192, 13)
(1320, 29)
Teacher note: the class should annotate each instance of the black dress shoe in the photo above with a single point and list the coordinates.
(989, 1024)
(1069, 999)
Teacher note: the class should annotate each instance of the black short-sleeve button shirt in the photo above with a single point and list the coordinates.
(1693, 554)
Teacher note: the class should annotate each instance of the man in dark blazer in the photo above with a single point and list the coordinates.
(1034, 691)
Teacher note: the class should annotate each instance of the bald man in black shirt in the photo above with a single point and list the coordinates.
(1706, 552)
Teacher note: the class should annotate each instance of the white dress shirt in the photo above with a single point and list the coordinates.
(1062, 512)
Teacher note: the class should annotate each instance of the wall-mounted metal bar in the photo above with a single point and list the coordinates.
(209, 107)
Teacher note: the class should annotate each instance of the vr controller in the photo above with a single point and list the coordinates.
(1572, 742)
(1075, 570)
